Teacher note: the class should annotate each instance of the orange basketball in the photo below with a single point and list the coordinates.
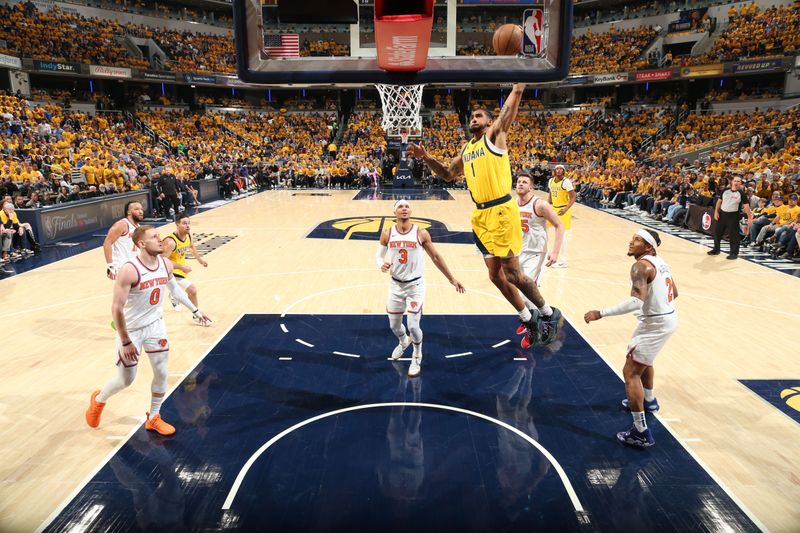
(507, 40)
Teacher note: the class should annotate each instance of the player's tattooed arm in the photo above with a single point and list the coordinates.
(450, 172)
(641, 273)
(509, 112)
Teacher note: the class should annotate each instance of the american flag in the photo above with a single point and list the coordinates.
(282, 45)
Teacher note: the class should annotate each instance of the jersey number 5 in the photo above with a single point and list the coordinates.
(525, 226)
(670, 293)
(403, 256)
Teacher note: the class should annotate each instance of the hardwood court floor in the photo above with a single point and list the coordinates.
(737, 322)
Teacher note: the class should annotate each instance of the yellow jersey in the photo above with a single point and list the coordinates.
(487, 170)
(178, 255)
(559, 191)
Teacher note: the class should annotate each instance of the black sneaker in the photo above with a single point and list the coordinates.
(713, 252)
(531, 330)
(548, 327)
(732, 256)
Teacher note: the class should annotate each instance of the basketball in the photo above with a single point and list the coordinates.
(507, 40)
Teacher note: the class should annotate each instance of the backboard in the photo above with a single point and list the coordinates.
(267, 47)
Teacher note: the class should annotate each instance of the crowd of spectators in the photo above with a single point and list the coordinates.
(57, 36)
(753, 33)
(612, 51)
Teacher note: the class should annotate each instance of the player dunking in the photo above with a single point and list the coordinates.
(652, 293)
(139, 318)
(495, 220)
(118, 246)
(535, 213)
(405, 264)
(176, 245)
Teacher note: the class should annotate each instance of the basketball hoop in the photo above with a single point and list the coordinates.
(401, 105)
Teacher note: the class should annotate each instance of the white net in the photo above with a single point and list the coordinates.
(401, 105)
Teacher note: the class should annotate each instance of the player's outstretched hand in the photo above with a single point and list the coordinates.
(591, 316)
(385, 267)
(416, 150)
(551, 259)
(459, 287)
(202, 319)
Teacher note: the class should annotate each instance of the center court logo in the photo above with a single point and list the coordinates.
(369, 228)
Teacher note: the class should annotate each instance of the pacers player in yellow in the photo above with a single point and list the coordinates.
(562, 196)
(176, 245)
(496, 220)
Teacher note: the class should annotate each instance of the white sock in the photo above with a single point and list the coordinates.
(639, 421)
(525, 315)
(546, 310)
(155, 404)
(404, 340)
(648, 395)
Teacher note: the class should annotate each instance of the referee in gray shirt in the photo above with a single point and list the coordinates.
(727, 213)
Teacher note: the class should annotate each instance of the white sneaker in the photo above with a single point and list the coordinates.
(397, 353)
(560, 265)
(415, 367)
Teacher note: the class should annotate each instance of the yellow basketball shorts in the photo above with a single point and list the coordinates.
(498, 229)
(566, 218)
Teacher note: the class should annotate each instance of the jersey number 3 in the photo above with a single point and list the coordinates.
(403, 256)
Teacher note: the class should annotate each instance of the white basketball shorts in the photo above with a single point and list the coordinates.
(405, 297)
(650, 336)
(532, 265)
(151, 339)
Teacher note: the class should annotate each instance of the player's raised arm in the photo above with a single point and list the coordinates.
(450, 172)
(508, 114)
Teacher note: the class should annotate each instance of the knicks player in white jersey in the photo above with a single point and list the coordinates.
(535, 213)
(118, 246)
(138, 314)
(405, 264)
(652, 293)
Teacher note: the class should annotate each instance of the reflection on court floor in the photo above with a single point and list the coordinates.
(300, 423)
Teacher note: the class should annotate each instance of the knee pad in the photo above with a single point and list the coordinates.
(413, 327)
(160, 372)
(396, 323)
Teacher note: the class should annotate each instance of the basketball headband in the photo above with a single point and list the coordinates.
(644, 234)
(398, 202)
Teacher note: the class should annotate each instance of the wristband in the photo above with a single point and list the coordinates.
(127, 343)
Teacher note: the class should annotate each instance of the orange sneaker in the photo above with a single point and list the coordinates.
(158, 425)
(94, 411)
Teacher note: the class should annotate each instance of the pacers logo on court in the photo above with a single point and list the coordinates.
(369, 228)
